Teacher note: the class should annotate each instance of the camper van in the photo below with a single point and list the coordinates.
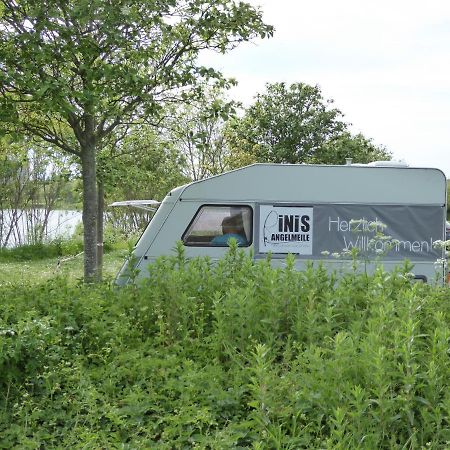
(325, 214)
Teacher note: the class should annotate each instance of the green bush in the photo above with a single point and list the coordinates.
(28, 252)
(226, 356)
(113, 239)
(54, 249)
(61, 247)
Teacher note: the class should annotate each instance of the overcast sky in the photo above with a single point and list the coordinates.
(386, 64)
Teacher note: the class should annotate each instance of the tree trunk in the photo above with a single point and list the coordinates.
(90, 210)
(101, 209)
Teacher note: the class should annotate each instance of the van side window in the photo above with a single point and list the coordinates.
(214, 225)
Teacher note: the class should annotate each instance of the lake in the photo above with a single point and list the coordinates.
(17, 226)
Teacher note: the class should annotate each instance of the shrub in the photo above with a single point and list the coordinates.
(231, 355)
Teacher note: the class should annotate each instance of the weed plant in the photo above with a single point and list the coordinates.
(230, 355)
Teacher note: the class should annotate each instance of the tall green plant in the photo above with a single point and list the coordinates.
(229, 355)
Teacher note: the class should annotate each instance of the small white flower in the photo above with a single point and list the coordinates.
(440, 263)
(438, 244)
(372, 243)
(335, 255)
(325, 253)
(7, 332)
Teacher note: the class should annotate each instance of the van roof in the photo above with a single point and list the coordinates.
(320, 184)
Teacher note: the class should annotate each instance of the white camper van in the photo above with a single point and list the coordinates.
(318, 213)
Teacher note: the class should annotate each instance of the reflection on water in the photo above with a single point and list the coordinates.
(18, 227)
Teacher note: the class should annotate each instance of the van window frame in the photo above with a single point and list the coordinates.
(224, 205)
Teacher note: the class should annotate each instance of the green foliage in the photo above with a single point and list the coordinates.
(295, 124)
(196, 131)
(107, 60)
(230, 355)
(141, 166)
(357, 147)
(58, 247)
(33, 183)
(286, 124)
(62, 246)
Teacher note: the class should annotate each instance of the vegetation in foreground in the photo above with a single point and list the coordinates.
(236, 355)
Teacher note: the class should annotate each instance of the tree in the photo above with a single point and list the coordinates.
(32, 181)
(140, 166)
(92, 66)
(146, 167)
(196, 131)
(285, 125)
(357, 147)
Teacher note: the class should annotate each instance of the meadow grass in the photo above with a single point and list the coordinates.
(226, 356)
(15, 270)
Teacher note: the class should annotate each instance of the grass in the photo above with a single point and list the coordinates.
(34, 271)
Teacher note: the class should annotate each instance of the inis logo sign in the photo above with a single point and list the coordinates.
(286, 229)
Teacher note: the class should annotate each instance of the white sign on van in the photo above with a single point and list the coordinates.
(286, 229)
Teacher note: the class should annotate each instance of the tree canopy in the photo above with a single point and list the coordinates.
(141, 166)
(357, 147)
(295, 124)
(196, 131)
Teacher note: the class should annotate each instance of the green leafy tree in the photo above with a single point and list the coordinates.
(357, 147)
(32, 182)
(196, 131)
(140, 166)
(89, 67)
(296, 124)
(286, 124)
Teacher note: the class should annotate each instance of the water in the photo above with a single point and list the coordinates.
(17, 226)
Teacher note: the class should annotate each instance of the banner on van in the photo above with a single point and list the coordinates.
(286, 229)
(392, 231)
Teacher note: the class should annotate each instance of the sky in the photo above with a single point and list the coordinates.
(386, 65)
